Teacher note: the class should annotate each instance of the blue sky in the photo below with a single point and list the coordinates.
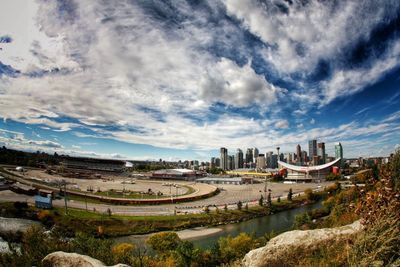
(179, 79)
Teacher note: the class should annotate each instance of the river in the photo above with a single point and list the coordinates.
(279, 222)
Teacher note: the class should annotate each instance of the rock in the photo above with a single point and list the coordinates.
(279, 248)
(63, 259)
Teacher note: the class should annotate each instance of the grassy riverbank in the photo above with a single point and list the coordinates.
(109, 225)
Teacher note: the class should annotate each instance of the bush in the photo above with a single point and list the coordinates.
(309, 194)
(235, 248)
(163, 242)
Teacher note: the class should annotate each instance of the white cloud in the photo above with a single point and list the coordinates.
(306, 32)
(312, 121)
(120, 63)
(299, 35)
(282, 124)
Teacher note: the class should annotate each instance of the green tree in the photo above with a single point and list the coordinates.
(269, 200)
(261, 201)
(290, 195)
(239, 205)
(163, 242)
(186, 252)
(235, 248)
(309, 194)
(395, 169)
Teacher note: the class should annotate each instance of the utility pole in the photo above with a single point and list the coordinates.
(265, 189)
(86, 200)
(65, 198)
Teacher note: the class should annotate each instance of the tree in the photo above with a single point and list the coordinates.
(269, 200)
(279, 199)
(206, 209)
(225, 207)
(290, 195)
(395, 169)
(309, 194)
(163, 242)
(239, 205)
(246, 207)
(261, 201)
(185, 251)
(235, 248)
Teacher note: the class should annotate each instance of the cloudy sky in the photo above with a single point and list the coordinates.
(179, 79)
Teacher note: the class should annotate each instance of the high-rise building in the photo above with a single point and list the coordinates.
(231, 162)
(224, 158)
(321, 152)
(312, 149)
(261, 161)
(212, 163)
(298, 154)
(268, 159)
(274, 161)
(338, 151)
(217, 162)
(255, 154)
(289, 158)
(239, 159)
(249, 157)
(304, 157)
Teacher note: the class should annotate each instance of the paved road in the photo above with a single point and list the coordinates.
(230, 195)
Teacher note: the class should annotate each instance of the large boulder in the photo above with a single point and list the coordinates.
(63, 259)
(281, 248)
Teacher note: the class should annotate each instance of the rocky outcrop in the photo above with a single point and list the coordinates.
(289, 244)
(63, 259)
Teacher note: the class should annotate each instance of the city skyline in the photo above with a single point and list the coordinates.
(179, 80)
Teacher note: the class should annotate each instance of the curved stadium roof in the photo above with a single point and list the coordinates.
(308, 168)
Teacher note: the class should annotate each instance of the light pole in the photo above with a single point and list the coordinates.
(65, 198)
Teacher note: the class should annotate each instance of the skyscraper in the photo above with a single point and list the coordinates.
(321, 152)
(268, 159)
(338, 151)
(212, 163)
(231, 162)
(304, 156)
(255, 154)
(298, 154)
(261, 161)
(312, 149)
(239, 159)
(224, 158)
(249, 157)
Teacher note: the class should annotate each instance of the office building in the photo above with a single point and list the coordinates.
(255, 154)
(231, 162)
(312, 149)
(224, 158)
(338, 151)
(321, 153)
(239, 159)
(261, 164)
(249, 157)
(298, 154)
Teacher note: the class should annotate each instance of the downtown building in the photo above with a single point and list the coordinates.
(224, 158)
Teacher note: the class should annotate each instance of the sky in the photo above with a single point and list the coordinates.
(177, 80)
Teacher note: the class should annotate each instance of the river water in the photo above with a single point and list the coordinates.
(279, 222)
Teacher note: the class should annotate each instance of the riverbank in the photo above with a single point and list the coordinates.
(110, 225)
